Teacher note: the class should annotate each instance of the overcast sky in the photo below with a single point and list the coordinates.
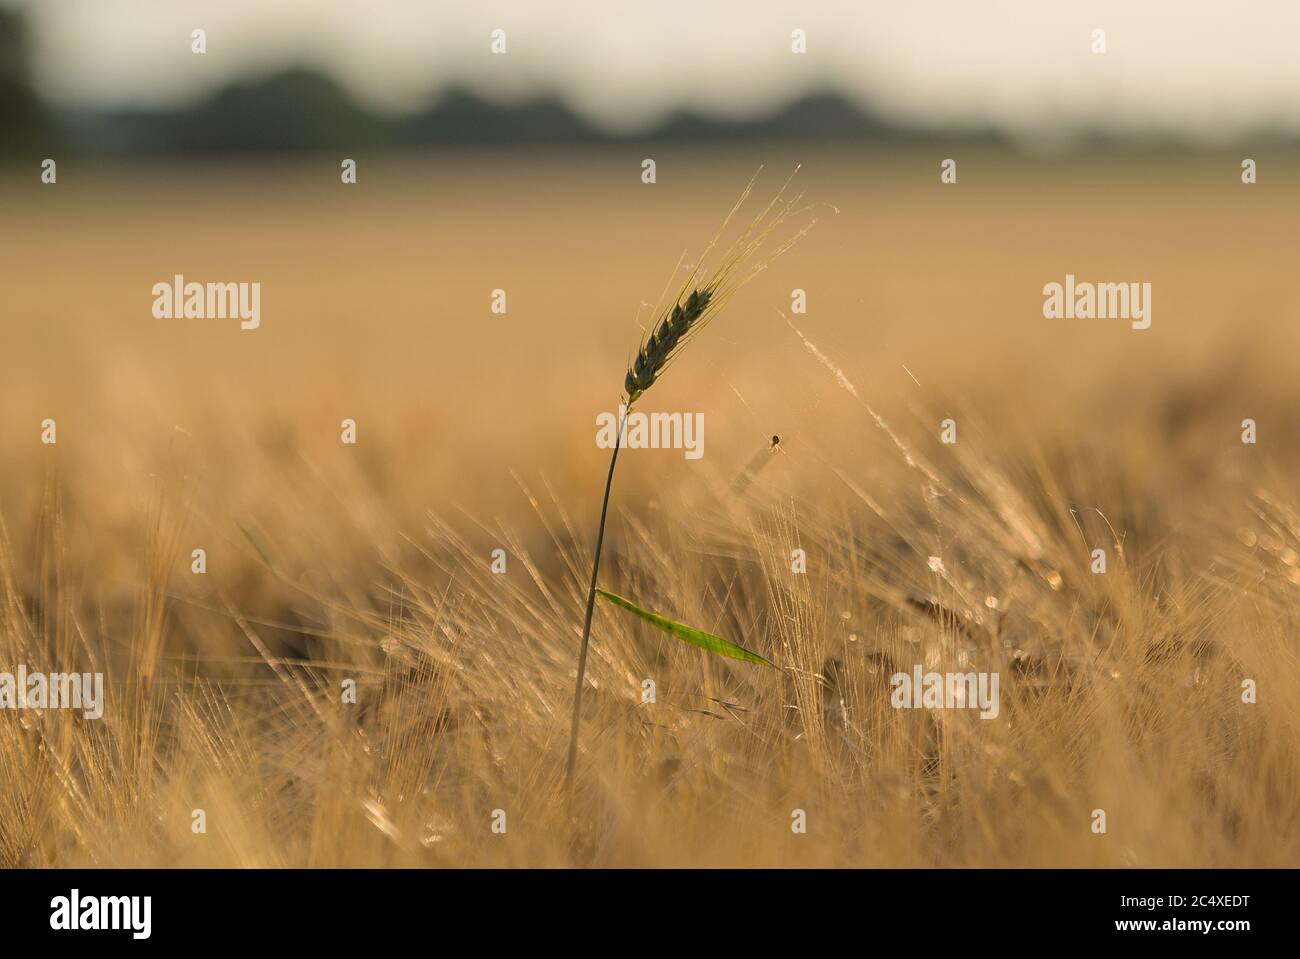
(1199, 66)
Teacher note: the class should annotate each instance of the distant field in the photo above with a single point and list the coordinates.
(476, 431)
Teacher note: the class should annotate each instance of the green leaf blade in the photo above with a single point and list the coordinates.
(706, 641)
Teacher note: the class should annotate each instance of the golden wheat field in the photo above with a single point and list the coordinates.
(372, 562)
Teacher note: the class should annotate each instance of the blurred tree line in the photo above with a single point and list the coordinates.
(23, 120)
(300, 109)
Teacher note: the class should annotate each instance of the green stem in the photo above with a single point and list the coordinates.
(591, 605)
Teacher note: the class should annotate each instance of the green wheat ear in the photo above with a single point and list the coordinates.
(659, 348)
(704, 293)
(696, 637)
